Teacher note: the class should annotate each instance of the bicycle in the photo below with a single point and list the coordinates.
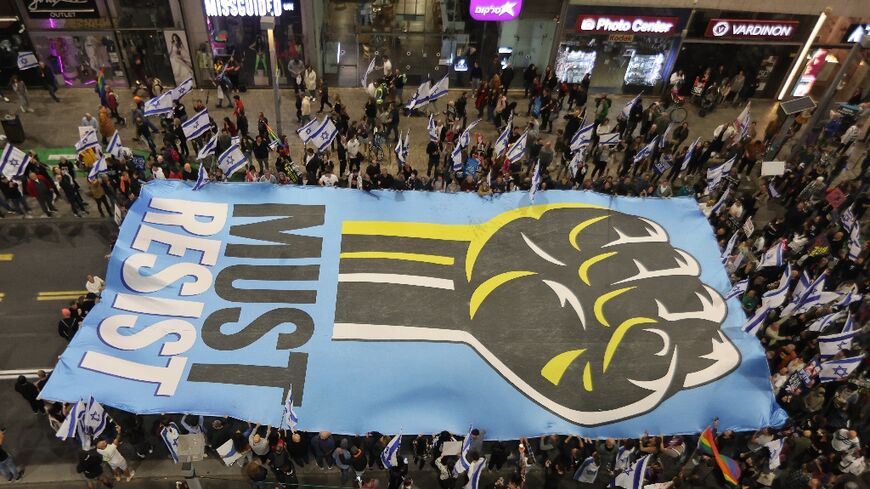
(376, 149)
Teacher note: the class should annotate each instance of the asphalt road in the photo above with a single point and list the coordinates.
(43, 265)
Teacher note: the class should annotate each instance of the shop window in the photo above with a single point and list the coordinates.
(77, 57)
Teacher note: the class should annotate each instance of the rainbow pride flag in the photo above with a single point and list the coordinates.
(100, 87)
(730, 468)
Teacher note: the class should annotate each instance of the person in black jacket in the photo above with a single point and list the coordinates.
(29, 392)
(67, 326)
(91, 467)
(261, 153)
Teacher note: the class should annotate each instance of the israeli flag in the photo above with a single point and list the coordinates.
(726, 253)
(114, 146)
(517, 150)
(182, 89)
(718, 205)
(668, 131)
(772, 257)
(587, 472)
(737, 289)
(501, 144)
(439, 89)
(368, 72)
(389, 455)
(775, 448)
(289, 420)
(13, 162)
(99, 167)
(231, 160)
(406, 146)
(400, 153)
(743, 121)
(848, 298)
(228, 453)
(420, 97)
(463, 464)
(830, 345)
(626, 109)
(633, 477)
(306, 132)
(848, 218)
(430, 127)
(834, 370)
(802, 285)
(322, 137)
(825, 321)
(582, 137)
(536, 181)
(170, 436)
(27, 60)
(476, 470)
(465, 137)
(812, 294)
(68, 428)
(775, 298)
(608, 139)
(456, 157)
(855, 242)
(161, 104)
(755, 323)
(197, 125)
(771, 190)
(576, 160)
(208, 149)
(201, 178)
(689, 153)
(646, 150)
(663, 164)
(88, 141)
(95, 418)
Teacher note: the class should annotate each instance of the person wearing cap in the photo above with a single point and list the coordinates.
(358, 461)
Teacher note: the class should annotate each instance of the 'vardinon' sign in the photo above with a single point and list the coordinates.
(420, 312)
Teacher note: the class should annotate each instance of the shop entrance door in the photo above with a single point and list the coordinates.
(146, 56)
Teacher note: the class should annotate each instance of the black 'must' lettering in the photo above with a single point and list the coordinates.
(224, 287)
(214, 338)
(277, 377)
(291, 217)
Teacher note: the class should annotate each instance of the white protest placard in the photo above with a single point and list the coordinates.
(451, 448)
(772, 168)
(748, 227)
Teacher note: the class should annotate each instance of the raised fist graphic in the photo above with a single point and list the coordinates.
(589, 312)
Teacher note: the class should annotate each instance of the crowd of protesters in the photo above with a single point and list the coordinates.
(826, 433)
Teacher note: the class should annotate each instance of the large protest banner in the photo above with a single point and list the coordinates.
(420, 312)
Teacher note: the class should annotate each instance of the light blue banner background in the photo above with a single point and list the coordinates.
(355, 387)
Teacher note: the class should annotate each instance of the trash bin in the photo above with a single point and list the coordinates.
(13, 128)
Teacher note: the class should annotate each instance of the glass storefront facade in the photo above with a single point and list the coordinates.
(624, 50)
(721, 43)
(130, 40)
(242, 38)
(430, 39)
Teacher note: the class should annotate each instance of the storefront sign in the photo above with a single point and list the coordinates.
(495, 10)
(621, 38)
(240, 8)
(605, 24)
(751, 29)
(855, 32)
(61, 9)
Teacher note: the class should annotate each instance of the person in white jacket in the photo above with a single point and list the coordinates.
(310, 81)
